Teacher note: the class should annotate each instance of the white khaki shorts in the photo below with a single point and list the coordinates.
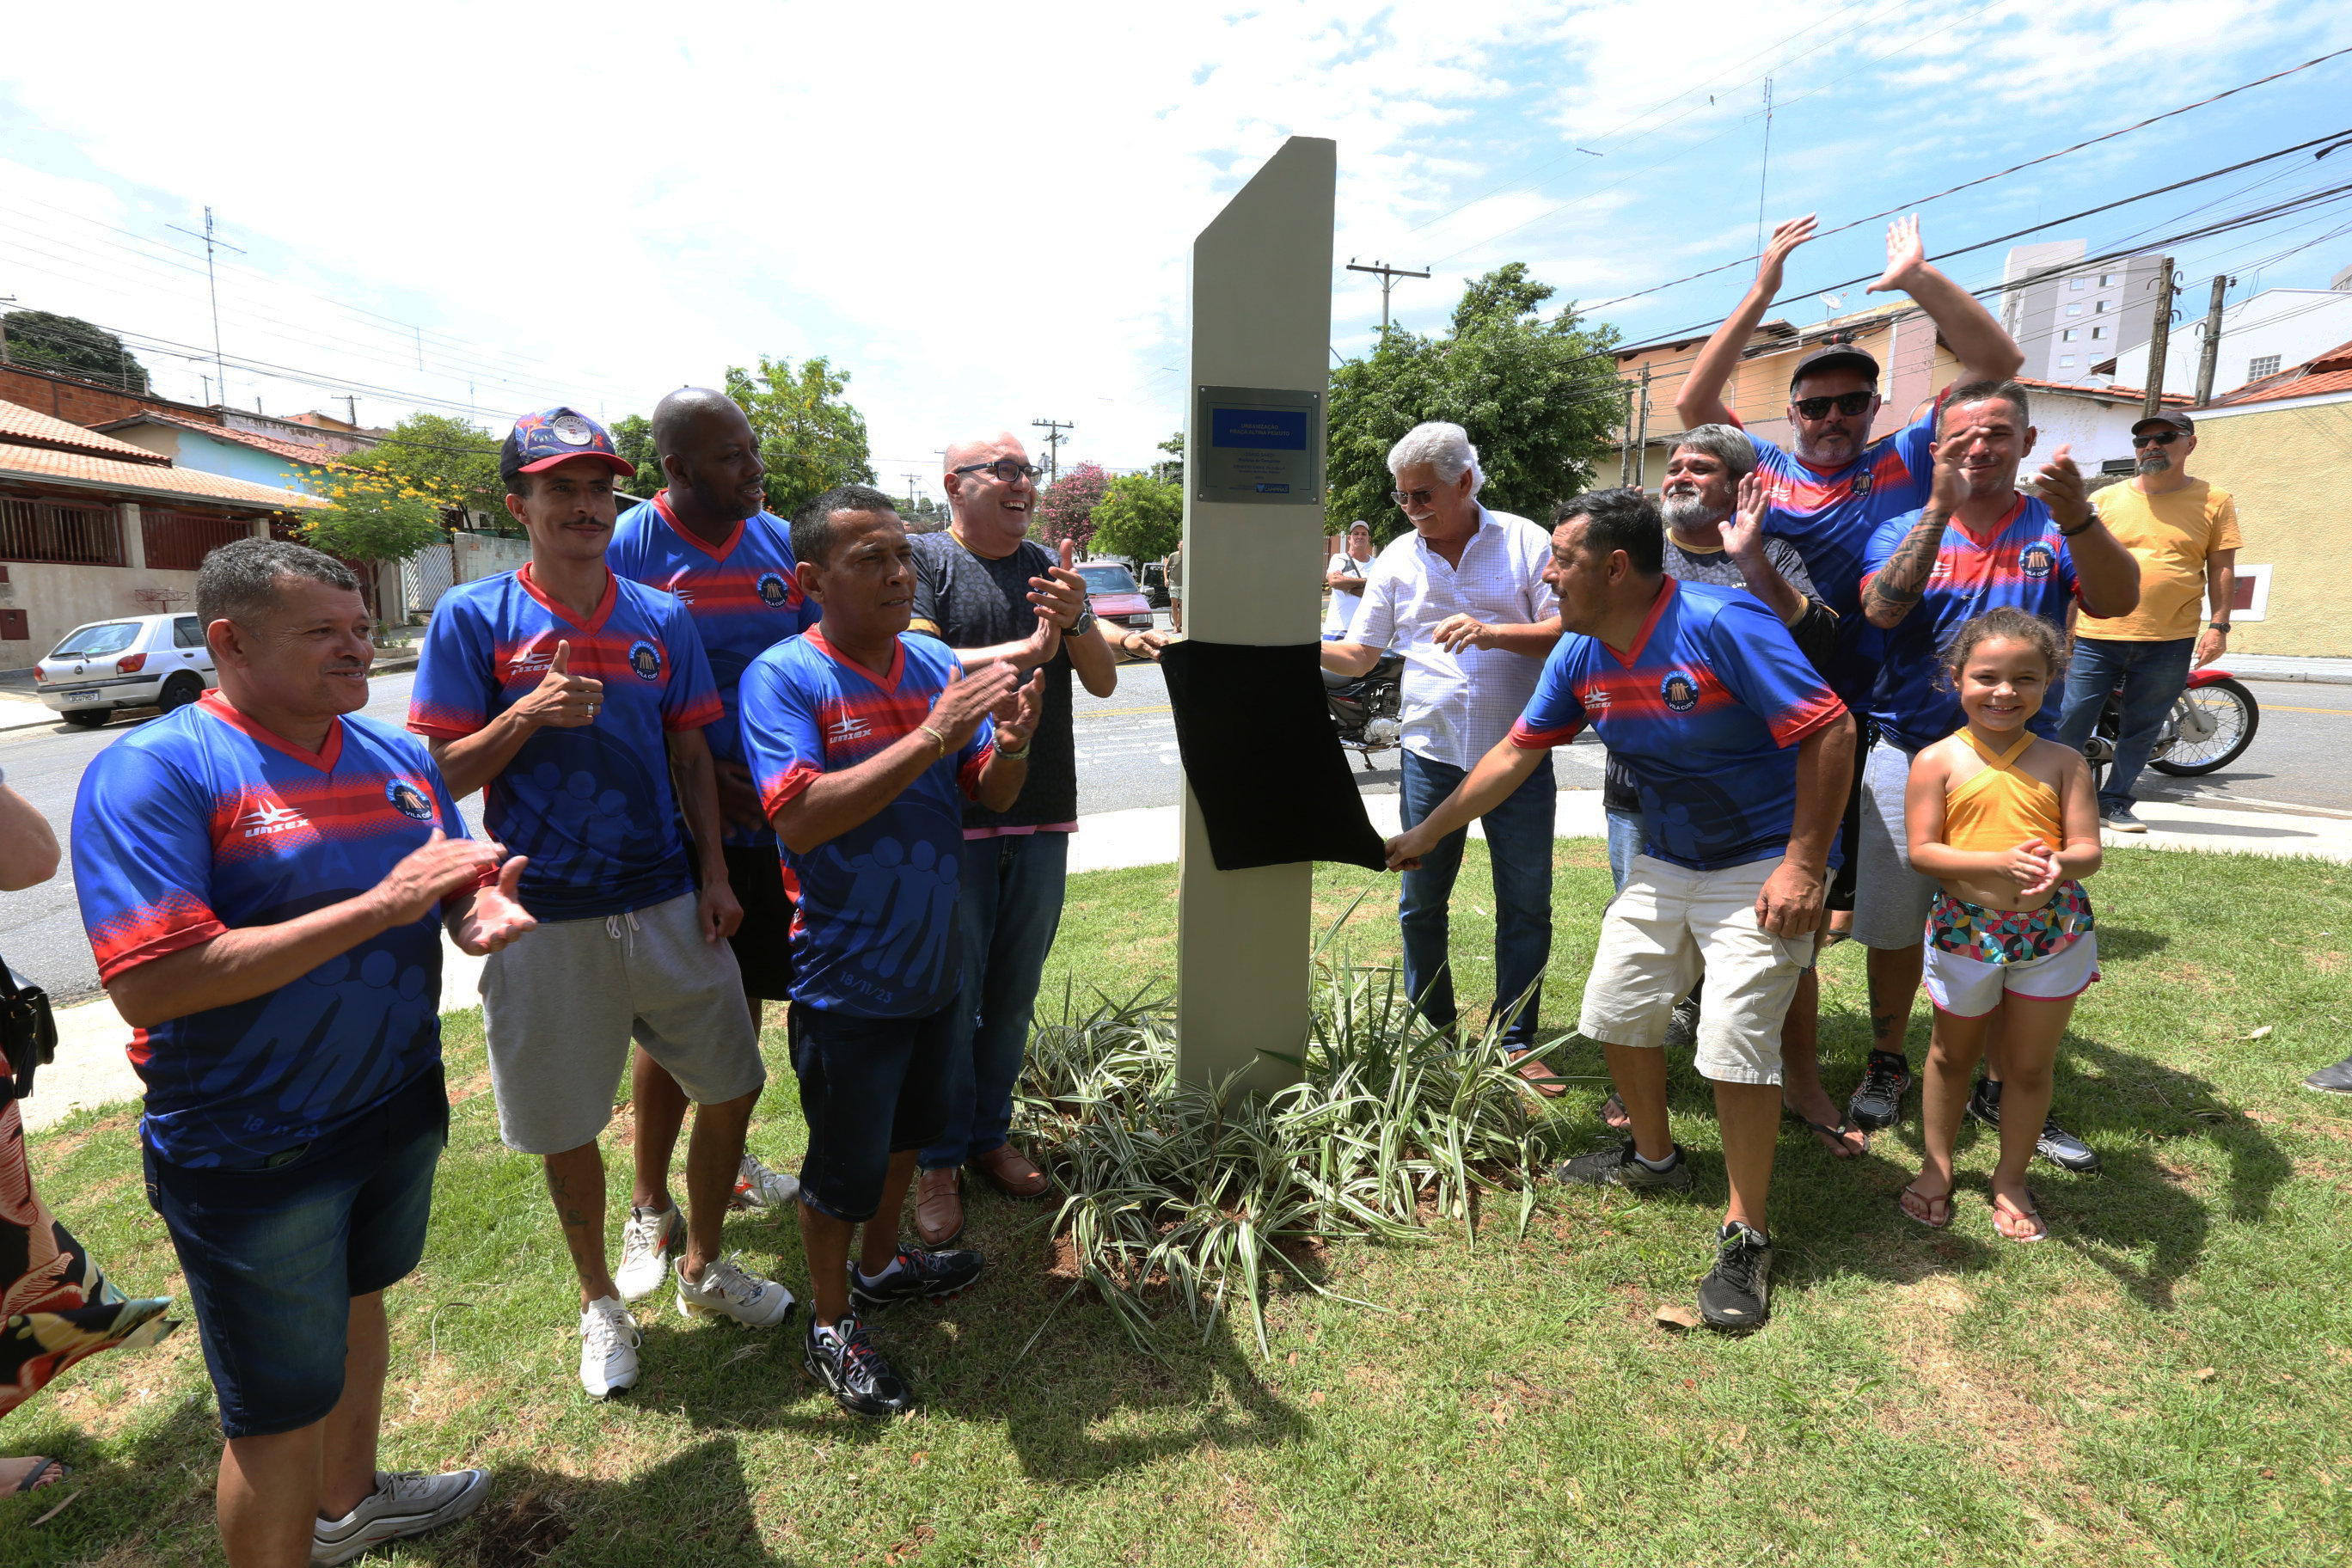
(1970, 987)
(1667, 924)
(561, 1005)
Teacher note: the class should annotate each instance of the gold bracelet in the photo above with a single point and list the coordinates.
(935, 736)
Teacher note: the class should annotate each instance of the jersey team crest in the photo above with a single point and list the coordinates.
(645, 659)
(1678, 692)
(775, 591)
(408, 800)
(2036, 560)
(1861, 486)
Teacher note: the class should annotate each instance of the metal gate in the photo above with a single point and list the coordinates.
(425, 576)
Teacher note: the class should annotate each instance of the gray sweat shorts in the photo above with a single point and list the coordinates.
(1890, 900)
(561, 1006)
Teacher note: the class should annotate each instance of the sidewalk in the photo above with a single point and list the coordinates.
(20, 710)
(91, 1068)
(2282, 667)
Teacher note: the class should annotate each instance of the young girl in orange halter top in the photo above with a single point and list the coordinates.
(2009, 824)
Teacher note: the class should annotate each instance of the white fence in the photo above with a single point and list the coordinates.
(468, 557)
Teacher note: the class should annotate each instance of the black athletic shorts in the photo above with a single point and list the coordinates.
(763, 942)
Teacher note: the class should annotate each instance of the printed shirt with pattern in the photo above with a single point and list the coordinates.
(744, 595)
(1707, 710)
(1457, 706)
(875, 927)
(1829, 514)
(202, 823)
(592, 806)
(2020, 563)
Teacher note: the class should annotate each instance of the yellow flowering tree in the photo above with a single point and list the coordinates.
(377, 516)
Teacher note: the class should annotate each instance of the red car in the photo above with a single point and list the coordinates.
(1112, 594)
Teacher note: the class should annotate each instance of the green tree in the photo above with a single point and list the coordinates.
(1139, 518)
(1171, 472)
(375, 516)
(1539, 397)
(633, 439)
(810, 437)
(70, 344)
(451, 463)
(1065, 509)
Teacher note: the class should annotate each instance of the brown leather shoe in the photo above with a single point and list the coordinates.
(939, 1206)
(1010, 1172)
(1539, 1077)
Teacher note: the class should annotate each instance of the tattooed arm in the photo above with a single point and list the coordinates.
(1897, 586)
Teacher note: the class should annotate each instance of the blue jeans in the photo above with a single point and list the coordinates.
(2154, 675)
(1518, 849)
(1624, 842)
(1011, 906)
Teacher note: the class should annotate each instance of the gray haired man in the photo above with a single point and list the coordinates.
(1463, 597)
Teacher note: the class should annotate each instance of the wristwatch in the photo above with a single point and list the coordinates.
(1085, 623)
(2219, 625)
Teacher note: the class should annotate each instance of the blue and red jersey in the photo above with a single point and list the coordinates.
(875, 929)
(204, 822)
(2020, 563)
(592, 806)
(744, 595)
(1829, 514)
(1706, 712)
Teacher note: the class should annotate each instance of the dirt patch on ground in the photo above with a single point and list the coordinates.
(1967, 1389)
(463, 1091)
(2326, 962)
(2194, 976)
(71, 1144)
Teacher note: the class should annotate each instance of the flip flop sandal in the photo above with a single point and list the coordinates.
(1836, 1134)
(1928, 1201)
(2041, 1225)
(1613, 1113)
(33, 1477)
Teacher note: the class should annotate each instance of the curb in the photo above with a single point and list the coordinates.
(2303, 677)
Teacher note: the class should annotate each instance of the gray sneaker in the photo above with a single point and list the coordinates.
(2120, 819)
(2337, 1079)
(1619, 1167)
(405, 1502)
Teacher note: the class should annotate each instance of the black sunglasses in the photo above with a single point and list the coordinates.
(1410, 498)
(1846, 403)
(2157, 438)
(1004, 469)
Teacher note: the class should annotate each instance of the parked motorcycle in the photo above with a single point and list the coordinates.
(2212, 724)
(1367, 709)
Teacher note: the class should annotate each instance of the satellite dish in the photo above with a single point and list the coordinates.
(1836, 303)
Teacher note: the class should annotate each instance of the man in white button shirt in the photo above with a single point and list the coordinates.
(1463, 597)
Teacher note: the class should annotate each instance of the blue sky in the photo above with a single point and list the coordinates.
(987, 222)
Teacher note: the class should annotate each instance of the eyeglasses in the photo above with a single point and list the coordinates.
(1007, 469)
(1410, 498)
(1846, 403)
(2157, 438)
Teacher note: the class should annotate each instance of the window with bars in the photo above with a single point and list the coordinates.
(63, 533)
(179, 541)
(2266, 364)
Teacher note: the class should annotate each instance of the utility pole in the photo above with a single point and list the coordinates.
(1626, 441)
(912, 479)
(1054, 439)
(1764, 173)
(1388, 276)
(212, 285)
(2212, 353)
(1642, 444)
(353, 404)
(2159, 338)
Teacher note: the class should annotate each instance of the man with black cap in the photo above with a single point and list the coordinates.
(1831, 494)
(2184, 534)
(575, 699)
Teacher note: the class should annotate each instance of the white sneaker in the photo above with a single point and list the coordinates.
(608, 1348)
(648, 1243)
(758, 1187)
(727, 1289)
(405, 1502)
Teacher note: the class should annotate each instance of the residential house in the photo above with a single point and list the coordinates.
(220, 449)
(2261, 336)
(2283, 447)
(2093, 421)
(92, 527)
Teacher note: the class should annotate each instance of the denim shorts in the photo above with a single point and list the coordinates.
(870, 1088)
(274, 1251)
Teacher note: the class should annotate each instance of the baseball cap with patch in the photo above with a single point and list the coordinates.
(2171, 418)
(551, 436)
(1835, 356)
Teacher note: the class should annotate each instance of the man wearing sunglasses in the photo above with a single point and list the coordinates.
(996, 596)
(1828, 497)
(2184, 534)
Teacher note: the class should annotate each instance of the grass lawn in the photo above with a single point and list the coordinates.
(2169, 1380)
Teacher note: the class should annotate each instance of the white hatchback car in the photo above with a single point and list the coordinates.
(140, 661)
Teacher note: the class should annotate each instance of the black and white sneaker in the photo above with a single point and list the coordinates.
(1621, 1167)
(2337, 1079)
(1878, 1102)
(1736, 1294)
(2057, 1145)
(1682, 1029)
(843, 1360)
(916, 1274)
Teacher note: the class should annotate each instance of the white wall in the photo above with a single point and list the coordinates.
(2097, 430)
(2296, 324)
(57, 599)
(483, 555)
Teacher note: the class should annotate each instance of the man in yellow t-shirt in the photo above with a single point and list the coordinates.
(2184, 534)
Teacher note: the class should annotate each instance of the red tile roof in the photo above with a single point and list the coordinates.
(135, 479)
(23, 427)
(2329, 371)
(292, 451)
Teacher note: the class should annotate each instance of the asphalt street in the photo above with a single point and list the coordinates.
(1127, 758)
